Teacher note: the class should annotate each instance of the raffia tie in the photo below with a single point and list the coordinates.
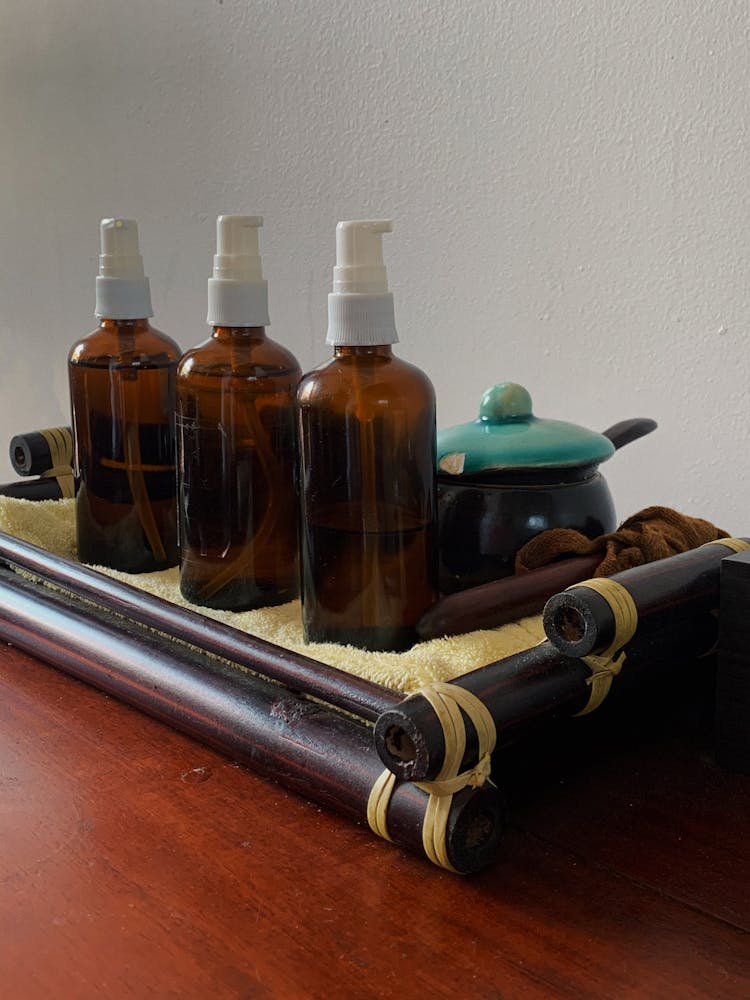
(60, 443)
(735, 544)
(605, 666)
(447, 700)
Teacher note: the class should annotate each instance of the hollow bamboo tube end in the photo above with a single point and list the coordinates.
(476, 824)
(402, 743)
(576, 624)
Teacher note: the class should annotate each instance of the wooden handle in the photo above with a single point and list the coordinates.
(505, 600)
(626, 431)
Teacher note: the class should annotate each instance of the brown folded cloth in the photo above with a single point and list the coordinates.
(651, 534)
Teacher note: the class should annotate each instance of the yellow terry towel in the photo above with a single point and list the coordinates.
(50, 524)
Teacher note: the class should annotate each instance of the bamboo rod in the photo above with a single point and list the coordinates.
(548, 681)
(324, 755)
(665, 593)
(345, 691)
(36, 453)
(538, 682)
(40, 488)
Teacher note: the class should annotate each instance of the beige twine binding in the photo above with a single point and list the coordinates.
(447, 700)
(605, 666)
(735, 544)
(60, 443)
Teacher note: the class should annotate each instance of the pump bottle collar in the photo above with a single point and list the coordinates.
(360, 307)
(122, 290)
(237, 292)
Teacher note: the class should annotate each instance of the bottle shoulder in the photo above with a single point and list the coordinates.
(390, 376)
(240, 356)
(115, 345)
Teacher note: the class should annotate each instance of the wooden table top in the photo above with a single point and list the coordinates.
(134, 862)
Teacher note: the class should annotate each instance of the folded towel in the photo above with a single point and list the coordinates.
(50, 524)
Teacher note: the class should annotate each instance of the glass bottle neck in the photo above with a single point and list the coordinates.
(238, 332)
(125, 325)
(363, 351)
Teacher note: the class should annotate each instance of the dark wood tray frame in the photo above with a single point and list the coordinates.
(293, 719)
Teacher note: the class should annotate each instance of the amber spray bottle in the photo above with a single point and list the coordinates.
(238, 508)
(122, 395)
(368, 480)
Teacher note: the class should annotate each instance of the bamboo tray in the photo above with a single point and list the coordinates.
(415, 769)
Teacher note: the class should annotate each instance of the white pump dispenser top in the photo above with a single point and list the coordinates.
(237, 293)
(122, 290)
(360, 307)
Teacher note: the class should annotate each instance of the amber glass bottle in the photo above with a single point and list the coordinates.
(368, 482)
(236, 442)
(122, 378)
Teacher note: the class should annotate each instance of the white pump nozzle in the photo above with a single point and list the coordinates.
(237, 253)
(122, 290)
(359, 257)
(237, 293)
(360, 308)
(120, 255)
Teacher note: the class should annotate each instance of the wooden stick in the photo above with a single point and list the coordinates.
(505, 600)
(322, 754)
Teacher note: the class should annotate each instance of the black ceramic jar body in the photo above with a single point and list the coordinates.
(484, 521)
(508, 476)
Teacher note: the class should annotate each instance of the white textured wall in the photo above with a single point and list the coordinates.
(569, 183)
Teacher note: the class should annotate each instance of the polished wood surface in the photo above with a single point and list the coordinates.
(134, 862)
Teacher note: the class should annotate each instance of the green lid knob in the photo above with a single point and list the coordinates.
(505, 401)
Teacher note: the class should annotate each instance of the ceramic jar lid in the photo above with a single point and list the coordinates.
(507, 436)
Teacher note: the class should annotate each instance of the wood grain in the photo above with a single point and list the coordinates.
(137, 863)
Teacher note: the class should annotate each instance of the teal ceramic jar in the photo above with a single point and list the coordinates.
(509, 475)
